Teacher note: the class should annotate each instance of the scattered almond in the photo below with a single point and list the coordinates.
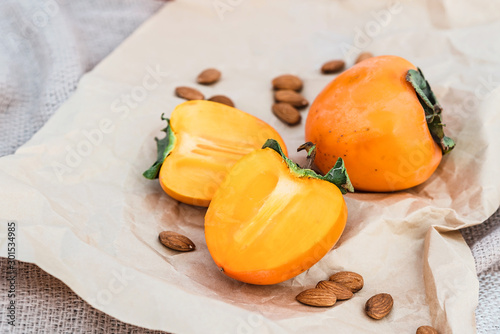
(176, 241)
(287, 82)
(286, 113)
(317, 297)
(189, 93)
(362, 56)
(338, 290)
(222, 99)
(426, 330)
(291, 97)
(208, 76)
(350, 280)
(379, 306)
(333, 66)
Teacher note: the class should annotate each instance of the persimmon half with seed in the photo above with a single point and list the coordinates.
(383, 119)
(203, 141)
(270, 220)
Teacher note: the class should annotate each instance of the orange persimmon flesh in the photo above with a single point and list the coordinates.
(266, 224)
(210, 138)
(372, 118)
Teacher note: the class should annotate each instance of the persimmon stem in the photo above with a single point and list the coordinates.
(337, 175)
(311, 153)
(432, 109)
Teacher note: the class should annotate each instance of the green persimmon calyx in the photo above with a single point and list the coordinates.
(432, 109)
(337, 175)
(164, 146)
(311, 153)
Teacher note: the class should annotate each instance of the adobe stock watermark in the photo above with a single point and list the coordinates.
(481, 92)
(38, 19)
(364, 36)
(251, 324)
(95, 136)
(407, 165)
(224, 6)
(11, 273)
(116, 285)
(210, 186)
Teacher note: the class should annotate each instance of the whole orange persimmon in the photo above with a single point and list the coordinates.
(382, 118)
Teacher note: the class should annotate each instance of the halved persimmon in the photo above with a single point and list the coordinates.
(270, 220)
(203, 141)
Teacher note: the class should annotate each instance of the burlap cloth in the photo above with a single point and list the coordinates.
(46, 47)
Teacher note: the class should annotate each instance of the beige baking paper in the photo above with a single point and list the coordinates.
(86, 215)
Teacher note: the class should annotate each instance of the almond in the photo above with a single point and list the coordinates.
(317, 297)
(362, 56)
(288, 82)
(350, 280)
(338, 290)
(222, 99)
(333, 66)
(291, 97)
(426, 330)
(379, 306)
(176, 241)
(189, 93)
(286, 113)
(208, 76)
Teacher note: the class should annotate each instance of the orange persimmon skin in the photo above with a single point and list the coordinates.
(266, 225)
(210, 138)
(370, 116)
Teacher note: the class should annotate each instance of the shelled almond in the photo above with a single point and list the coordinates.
(176, 241)
(189, 93)
(287, 82)
(338, 290)
(426, 330)
(349, 279)
(362, 56)
(291, 97)
(317, 297)
(222, 99)
(208, 76)
(286, 113)
(379, 306)
(333, 66)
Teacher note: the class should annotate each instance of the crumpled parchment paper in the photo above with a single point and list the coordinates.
(86, 215)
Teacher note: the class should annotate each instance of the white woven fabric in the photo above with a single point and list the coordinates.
(45, 48)
(46, 305)
(484, 241)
